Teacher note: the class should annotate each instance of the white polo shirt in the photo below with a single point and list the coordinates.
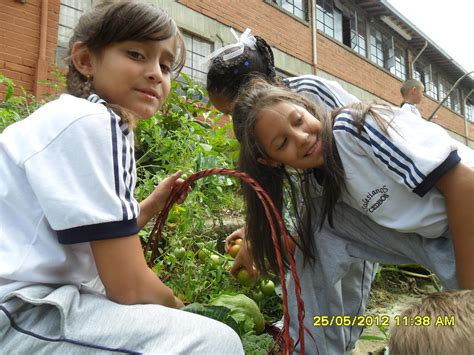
(392, 178)
(410, 108)
(326, 94)
(67, 177)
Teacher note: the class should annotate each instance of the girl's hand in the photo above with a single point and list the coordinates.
(178, 302)
(164, 188)
(244, 258)
(231, 238)
(155, 202)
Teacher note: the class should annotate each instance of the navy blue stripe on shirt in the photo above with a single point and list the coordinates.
(115, 153)
(99, 231)
(432, 179)
(353, 131)
(317, 88)
(304, 89)
(321, 86)
(385, 140)
(125, 174)
(356, 134)
(387, 149)
(132, 178)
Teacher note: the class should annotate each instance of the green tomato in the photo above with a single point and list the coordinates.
(267, 287)
(257, 296)
(202, 255)
(215, 259)
(244, 278)
(179, 252)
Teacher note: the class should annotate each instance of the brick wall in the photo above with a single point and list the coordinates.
(20, 26)
(20, 40)
(275, 26)
(337, 60)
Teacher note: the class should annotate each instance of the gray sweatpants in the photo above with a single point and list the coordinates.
(338, 282)
(67, 320)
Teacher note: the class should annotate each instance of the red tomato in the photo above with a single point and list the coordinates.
(234, 250)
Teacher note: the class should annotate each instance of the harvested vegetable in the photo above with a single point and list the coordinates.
(244, 310)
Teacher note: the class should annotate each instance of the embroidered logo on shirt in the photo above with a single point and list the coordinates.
(375, 199)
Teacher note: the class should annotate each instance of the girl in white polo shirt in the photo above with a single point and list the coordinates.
(376, 183)
(67, 209)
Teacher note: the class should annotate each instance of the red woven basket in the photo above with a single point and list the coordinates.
(154, 237)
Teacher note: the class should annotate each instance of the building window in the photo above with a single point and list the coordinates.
(343, 25)
(418, 75)
(444, 88)
(329, 19)
(429, 81)
(455, 101)
(469, 112)
(400, 68)
(358, 34)
(299, 8)
(381, 49)
(69, 13)
(196, 49)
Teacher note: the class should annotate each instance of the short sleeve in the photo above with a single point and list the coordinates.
(84, 180)
(326, 94)
(415, 153)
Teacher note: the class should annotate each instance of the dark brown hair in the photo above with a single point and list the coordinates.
(253, 98)
(118, 21)
(226, 77)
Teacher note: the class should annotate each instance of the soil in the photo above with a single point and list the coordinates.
(389, 297)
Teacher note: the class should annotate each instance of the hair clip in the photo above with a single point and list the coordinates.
(245, 40)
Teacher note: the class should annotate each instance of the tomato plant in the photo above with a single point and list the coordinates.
(188, 135)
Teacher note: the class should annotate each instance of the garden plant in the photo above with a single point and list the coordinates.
(189, 135)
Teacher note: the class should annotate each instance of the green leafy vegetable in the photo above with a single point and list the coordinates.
(258, 344)
(222, 314)
(244, 310)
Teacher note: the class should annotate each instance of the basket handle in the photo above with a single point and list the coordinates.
(154, 237)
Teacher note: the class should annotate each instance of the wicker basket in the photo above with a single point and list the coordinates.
(153, 239)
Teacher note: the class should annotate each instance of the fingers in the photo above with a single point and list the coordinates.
(183, 196)
(239, 233)
(234, 270)
(244, 260)
(170, 181)
(178, 303)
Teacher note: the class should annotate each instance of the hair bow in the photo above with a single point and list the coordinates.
(245, 40)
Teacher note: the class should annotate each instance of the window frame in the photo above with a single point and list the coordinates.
(280, 5)
(62, 44)
(190, 56)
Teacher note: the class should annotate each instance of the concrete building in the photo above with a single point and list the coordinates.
(366, 45)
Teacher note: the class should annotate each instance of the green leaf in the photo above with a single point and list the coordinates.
(372, 337)
(206, 147)
(220, 313)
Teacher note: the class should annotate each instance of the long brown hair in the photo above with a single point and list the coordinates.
(118, 21)
(279, 181)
